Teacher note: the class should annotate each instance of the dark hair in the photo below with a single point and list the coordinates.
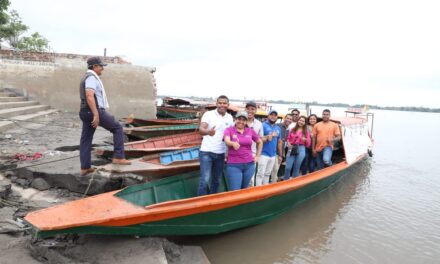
(326, 110)
(90, 67)
(308, 118)
(294, 110)
(304, 128)
(223, 97)
(288, 115)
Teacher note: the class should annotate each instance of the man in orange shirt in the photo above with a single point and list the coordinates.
(325, 134)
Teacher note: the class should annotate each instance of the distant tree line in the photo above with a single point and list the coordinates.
(395, 108)
(12, 30)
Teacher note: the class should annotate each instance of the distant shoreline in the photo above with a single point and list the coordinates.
(375, 107)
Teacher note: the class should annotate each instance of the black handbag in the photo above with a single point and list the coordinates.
(294, 150)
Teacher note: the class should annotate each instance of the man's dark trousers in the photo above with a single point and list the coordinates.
(106, 121)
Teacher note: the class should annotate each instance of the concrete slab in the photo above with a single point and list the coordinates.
(192, 255)
(7, 113)
(12, 99)
(7, 94)
(6, 105)
(102, 249)
(5, 125)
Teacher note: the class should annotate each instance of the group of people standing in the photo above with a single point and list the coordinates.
(303, 142)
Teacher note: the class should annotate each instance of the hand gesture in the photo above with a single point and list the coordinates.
(275, 134)
(236, 145)
(269, 137)
(211, 132)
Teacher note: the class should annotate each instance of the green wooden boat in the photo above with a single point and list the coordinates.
(146, 132)
(180, 113)
(170, 206)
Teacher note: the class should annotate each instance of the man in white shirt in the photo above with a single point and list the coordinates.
(212, 150)
(257, 126)
(295, 116)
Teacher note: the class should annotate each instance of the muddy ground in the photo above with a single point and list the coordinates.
(39, 167)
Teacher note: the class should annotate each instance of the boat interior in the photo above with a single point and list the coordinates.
(181, 186)
(185, 185)
(176, 187)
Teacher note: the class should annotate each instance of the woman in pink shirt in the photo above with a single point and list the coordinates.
(241, 162)
(298, 140)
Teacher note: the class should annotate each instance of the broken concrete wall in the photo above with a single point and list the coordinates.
(53, 79)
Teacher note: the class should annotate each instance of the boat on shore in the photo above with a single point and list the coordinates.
(179, 112)
(147, 132)
(137, 122)
(170, 206)
(159, 165)
(137, 149)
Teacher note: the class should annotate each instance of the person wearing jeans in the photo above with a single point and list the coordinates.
(309, 162)
(324, 158)
(297, 141)
(212, 150)
(93, 113)
(272, 143)
(241, 162)
(325, 134)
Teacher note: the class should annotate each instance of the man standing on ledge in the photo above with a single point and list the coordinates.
(213, 148)
(93, 114)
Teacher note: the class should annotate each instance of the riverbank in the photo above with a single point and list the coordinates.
(39, 167)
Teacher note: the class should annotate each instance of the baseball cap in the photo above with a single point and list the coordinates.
(251, 103)
(242, 114)
(95, 61)
(273, 112)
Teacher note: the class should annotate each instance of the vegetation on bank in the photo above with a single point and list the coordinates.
(12, 30)
(395, 108)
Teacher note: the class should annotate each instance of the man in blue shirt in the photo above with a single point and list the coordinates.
(93, 114)
(272, 142)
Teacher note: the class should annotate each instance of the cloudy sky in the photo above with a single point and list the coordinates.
(374, 52)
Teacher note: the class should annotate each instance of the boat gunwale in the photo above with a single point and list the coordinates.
(201, 204)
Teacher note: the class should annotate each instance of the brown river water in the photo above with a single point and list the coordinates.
(386, 211)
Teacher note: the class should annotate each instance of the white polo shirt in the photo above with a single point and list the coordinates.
(215, 143)
(292, 125)
(257, 126)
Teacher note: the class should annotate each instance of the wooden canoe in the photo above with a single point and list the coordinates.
(137, 122)
(170, 206)
(151, 166)
(146, 132)
(141, 148)
(175, 112)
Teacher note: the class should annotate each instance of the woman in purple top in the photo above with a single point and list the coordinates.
(241, 163)
(297, 141)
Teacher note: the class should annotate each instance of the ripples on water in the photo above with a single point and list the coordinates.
(386, 211)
